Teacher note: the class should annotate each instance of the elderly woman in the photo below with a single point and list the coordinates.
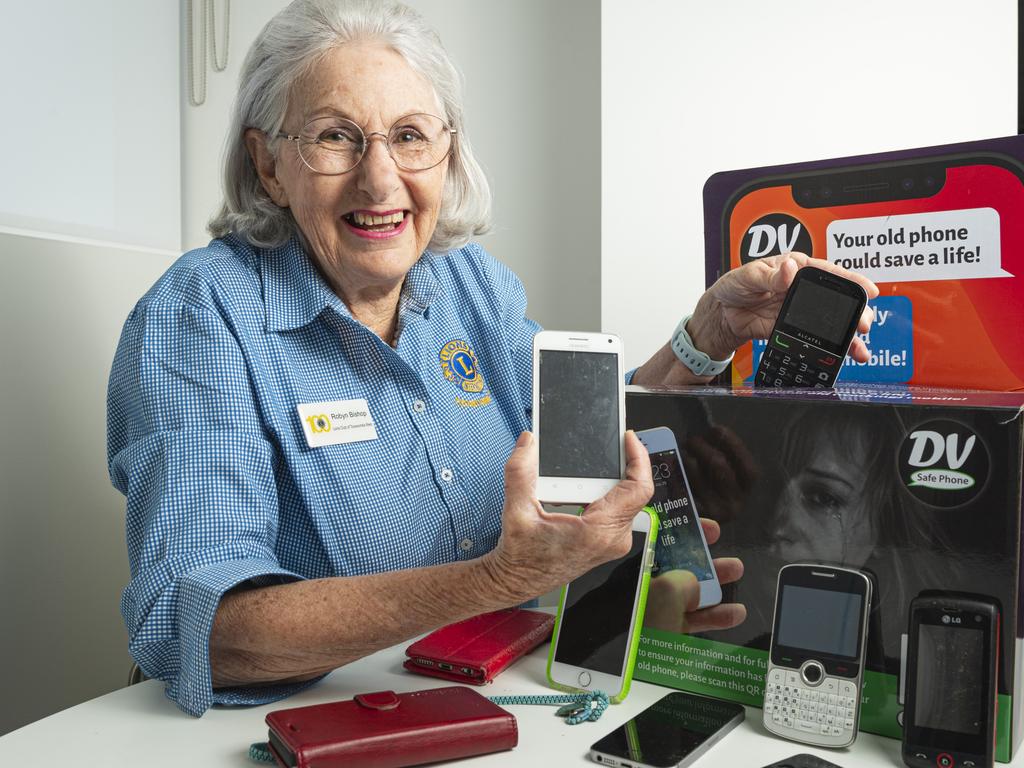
(264, 555)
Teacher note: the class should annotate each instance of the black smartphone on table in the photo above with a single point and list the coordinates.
(671, 733)
(813, 332)
(951, 681)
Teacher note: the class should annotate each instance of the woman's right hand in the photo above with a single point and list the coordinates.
(538, 550)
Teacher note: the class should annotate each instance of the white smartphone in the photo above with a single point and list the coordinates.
(681, 542)
(579, 415)
(600, 615)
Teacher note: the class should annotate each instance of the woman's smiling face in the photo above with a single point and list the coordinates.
(372, 86)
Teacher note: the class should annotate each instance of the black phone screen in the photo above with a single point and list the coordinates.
(579, 414)
(669, 730)
(822, 311)
(819, 620)
(950, 678)
(598, 609)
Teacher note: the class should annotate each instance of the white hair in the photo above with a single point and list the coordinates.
(288, 47)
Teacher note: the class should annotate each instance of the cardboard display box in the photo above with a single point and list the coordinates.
(920, 487)
(939, 229)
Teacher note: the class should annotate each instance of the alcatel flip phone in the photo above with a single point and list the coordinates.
(810, 339)
(951, 681)
(816, 660)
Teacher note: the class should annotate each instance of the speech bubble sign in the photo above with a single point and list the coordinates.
(914, 247)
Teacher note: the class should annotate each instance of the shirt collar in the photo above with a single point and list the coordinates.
(294, 292)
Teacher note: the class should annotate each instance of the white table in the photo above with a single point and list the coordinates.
(138, 727)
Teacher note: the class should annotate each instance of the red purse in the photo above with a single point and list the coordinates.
(477, 649)
(389, 730)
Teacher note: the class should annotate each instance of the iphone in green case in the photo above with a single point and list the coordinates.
(600, 614)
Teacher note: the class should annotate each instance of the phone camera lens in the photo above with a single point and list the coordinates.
(599, 759)
(907, 184)
(929, 181)
(807, 194)
(826, 192)
(977, 619)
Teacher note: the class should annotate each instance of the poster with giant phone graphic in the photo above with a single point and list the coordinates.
(943, 238)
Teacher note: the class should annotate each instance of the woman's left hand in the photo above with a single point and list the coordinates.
(673, 596)
(744, 304)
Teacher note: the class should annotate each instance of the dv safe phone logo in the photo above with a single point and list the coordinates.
(774, 234)
(943, 463)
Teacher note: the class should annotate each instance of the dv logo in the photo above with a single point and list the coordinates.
(943, 463)
(774, 234)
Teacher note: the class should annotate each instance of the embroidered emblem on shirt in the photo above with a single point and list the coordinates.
(458, 363)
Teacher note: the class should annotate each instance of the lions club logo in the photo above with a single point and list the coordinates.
(460, 367)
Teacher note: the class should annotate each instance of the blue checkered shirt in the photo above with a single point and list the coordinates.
(208, 447)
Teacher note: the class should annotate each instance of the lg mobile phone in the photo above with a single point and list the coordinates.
(681, 543)
(803, 760)
(816, 324)
(579, 415)
(671, 733)
(600, 614)
(951, 679)
(816, 659)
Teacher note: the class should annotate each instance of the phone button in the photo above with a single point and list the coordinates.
(812, 673)
(584, 679)
(945, 760)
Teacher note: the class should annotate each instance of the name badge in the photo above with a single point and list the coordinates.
(336, 422)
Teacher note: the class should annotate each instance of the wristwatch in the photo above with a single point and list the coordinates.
(696, 361)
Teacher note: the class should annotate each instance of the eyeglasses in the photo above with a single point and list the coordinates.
(334, 145)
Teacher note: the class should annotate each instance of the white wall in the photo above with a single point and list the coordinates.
(692, 88)
(91, 130)
(532, 71)
(62, 555)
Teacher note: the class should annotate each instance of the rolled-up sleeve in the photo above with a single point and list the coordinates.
(187, 448)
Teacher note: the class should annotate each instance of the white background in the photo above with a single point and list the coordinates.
(691, 88)
(90, 129)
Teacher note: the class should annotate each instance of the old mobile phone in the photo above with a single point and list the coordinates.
(814, 329)
(579, 415)
(951, 679)
(671, 733)
(803, 760)
(600, 615)
(816, 659)
(681, 542)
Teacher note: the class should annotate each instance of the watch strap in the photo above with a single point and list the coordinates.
(699, 363)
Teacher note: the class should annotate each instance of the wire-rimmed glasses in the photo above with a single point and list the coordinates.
(334, 145)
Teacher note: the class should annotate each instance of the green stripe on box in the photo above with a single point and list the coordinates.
(735, 673)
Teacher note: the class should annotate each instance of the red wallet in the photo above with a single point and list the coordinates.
(477, 649)
(389, 730)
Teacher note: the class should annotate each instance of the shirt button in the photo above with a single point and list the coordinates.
(466, 544)
(419, 406)
(447, 475)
